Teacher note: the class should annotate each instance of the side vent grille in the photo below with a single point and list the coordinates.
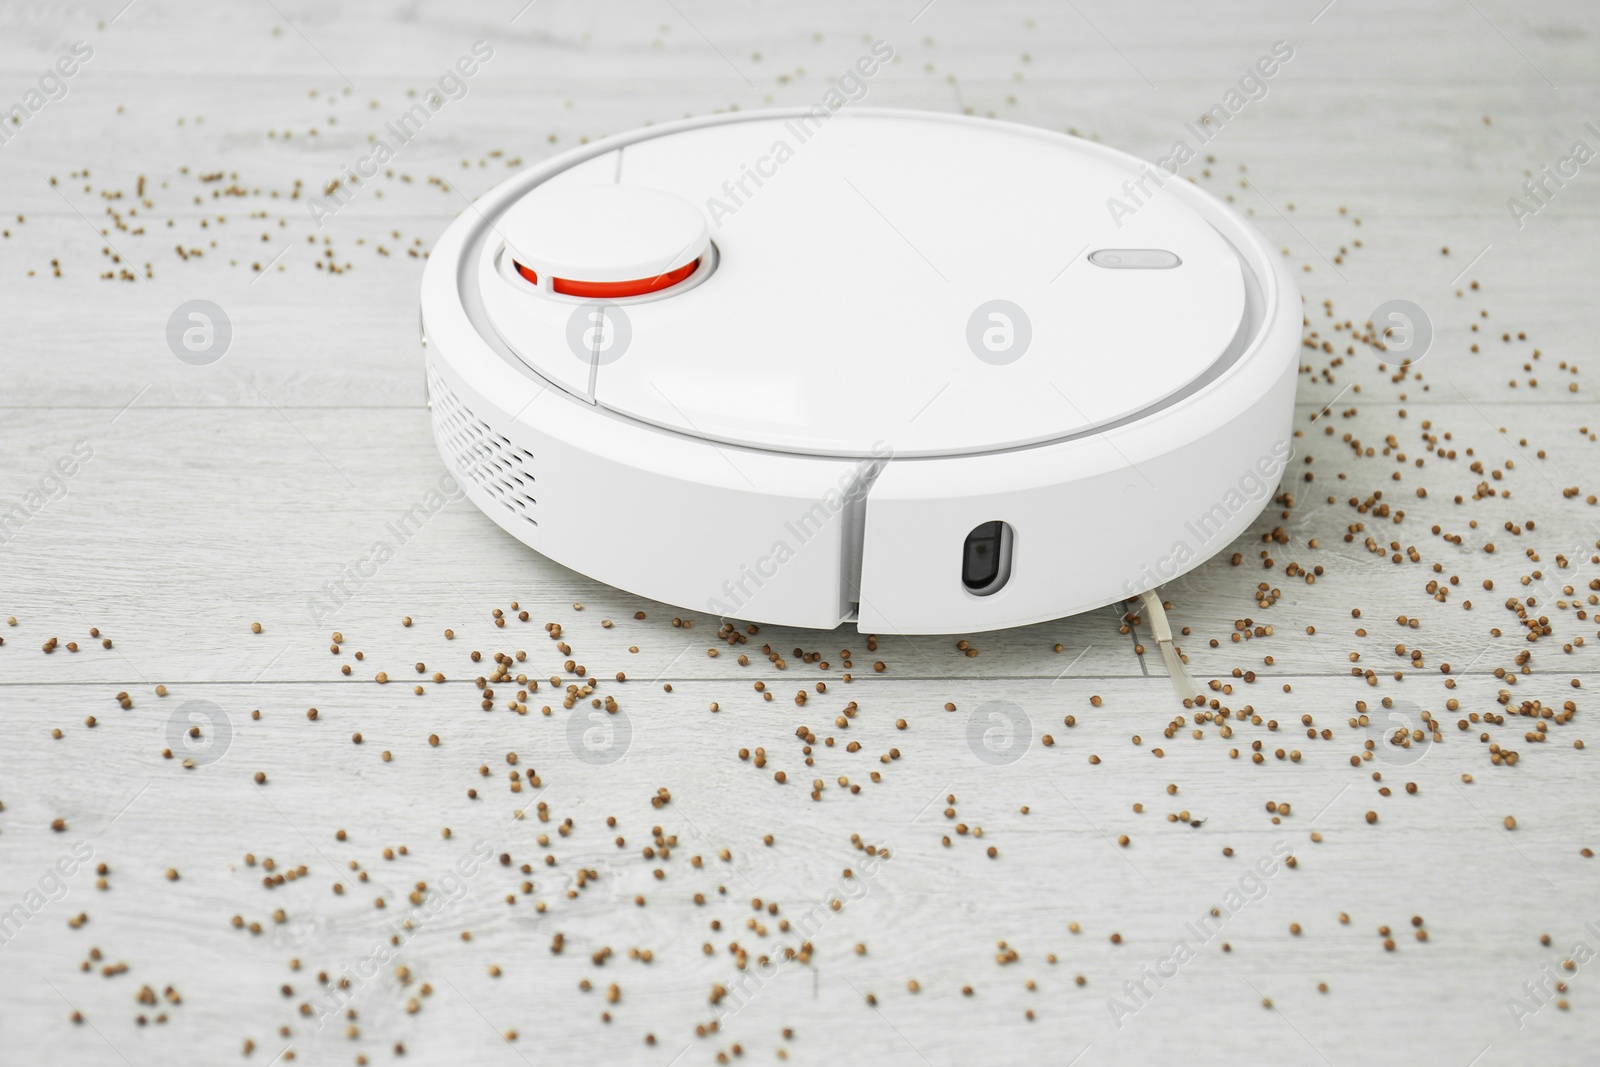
(500, 468)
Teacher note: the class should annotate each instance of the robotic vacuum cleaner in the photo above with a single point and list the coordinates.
(923, 373)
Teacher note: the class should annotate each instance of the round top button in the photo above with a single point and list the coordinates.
(604, 233)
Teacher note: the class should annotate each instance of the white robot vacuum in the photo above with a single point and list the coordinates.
(918, 372)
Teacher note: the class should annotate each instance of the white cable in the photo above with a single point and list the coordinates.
(1161, 630)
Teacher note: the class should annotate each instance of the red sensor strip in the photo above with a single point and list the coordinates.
(612, 290)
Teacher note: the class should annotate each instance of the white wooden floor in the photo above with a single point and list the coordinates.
(215, 497)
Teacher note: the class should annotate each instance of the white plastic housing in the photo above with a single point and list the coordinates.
(806, 428)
